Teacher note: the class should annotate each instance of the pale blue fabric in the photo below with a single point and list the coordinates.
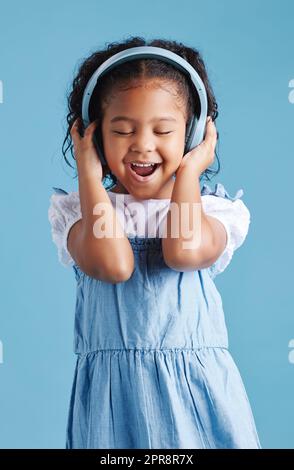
(153, 368)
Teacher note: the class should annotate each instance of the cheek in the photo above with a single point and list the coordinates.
(116, 144)
(174, 149)
(112, 149)
(178, 140)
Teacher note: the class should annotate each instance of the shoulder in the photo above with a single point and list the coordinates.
(235, 216)
(64, 210)
(63, 202)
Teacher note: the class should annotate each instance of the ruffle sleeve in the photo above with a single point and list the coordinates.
(64, 210)
(234, 215)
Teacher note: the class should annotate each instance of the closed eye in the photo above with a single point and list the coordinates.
(128, 133)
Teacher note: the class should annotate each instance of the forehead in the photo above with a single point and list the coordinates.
(155, 99)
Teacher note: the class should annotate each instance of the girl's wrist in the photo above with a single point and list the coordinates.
(87, 171)
(189, 168)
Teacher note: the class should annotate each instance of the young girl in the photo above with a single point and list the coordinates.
(153, 368)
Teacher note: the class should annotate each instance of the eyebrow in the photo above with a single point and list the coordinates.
(126, 118)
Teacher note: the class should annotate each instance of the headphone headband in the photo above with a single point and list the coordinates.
(197, 126)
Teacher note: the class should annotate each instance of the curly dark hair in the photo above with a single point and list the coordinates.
(130, 71)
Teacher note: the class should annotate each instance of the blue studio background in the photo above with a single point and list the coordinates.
(248, 49)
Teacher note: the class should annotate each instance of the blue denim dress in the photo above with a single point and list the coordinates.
(153, 369)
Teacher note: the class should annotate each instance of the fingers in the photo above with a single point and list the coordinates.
(210, 132)
(90, 129)
(74, 131)
(210, 127)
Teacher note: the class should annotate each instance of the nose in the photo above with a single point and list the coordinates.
(143, 141)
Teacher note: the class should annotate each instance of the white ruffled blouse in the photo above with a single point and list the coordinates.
(65, 210)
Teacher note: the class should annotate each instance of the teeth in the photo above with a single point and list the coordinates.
(144, 164)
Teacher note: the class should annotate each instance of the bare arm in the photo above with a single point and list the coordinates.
(212, 236)
(109, 258)
(186, 192)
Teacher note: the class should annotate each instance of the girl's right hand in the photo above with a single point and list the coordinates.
(85, 152)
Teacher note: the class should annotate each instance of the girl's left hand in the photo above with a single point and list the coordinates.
(202, 156)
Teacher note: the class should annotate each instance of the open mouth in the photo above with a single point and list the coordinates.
(144, 170)
(142, 173)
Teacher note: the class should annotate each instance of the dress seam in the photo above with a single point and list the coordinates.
(149, 349)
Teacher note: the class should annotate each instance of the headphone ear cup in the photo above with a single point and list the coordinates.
(97, 140)
(192, 126)
(188, 134)
(188, 130)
